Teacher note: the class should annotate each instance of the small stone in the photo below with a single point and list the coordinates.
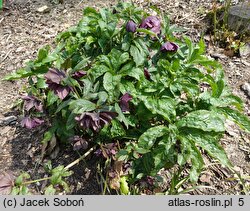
(9, 120)
(230, 128)
(43, 9)
(206, 178)
(246, 87)
(20, 49)
(245, 50)
(6, 129)
(239, 17)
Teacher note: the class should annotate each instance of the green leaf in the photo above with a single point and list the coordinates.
(111, 85)
(188, 148)
(102, 98)
(121, 117)
(124, 186)
(98, 70)
(50, 190)
(204, 120)
(42, 53)
(164, 107)
(165, 154)
(148, 32)
(82, 64)
(41, 84)
(71, 123)
(209, 142)
(190, 47)
(81, 105)
(21, 178)
(117, 130)
(136, 73)
(51, 98)
(141, 45)
(148, 138)
(137, 55)
(63, 105)
(118, 58)
(24, 190)
(239, 118)
(122, 155)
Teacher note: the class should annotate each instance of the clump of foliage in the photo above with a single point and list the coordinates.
(121, 83)
(222, 34)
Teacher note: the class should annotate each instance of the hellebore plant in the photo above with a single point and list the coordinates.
(144, 104)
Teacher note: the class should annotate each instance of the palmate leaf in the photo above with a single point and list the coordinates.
(165, 154)
(98, 70)
(164, 107)
(118, 58)
(188, 148)
(148, 138)
(111, 85)
(207, 141)
(81, 105)
(239, 118)
(204, 120)
(222, 101)
(137, 55)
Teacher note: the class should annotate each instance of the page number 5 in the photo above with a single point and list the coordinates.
(241, 202)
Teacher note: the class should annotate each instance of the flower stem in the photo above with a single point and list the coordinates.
(66, 168)
(79, 159)
(34, 181)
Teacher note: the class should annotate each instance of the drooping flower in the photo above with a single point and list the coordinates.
(152, 23)
(30, 102)
(169, 47)
(31, 122)
(147, 74)
(79, 74)
(95, 121)
(107, 150)
(131, 26)
(7, 182)
(54, 78)
(78, 143)
(124, 102)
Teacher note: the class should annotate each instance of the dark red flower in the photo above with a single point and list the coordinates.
(30, 102)
(124, 102)
(78, 143)
(7, 182)
(147, 74)
(107, 150)
(54, 78)
(131, 26)
(95, 121)
(79, 74)
(152, 23)
(31, 123)
(169, 47)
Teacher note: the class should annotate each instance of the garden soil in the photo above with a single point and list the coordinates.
(24, 29)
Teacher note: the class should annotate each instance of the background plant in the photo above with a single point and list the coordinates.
(120, 82)
(223, 35)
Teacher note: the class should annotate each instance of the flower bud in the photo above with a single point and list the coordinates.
(131, 26)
